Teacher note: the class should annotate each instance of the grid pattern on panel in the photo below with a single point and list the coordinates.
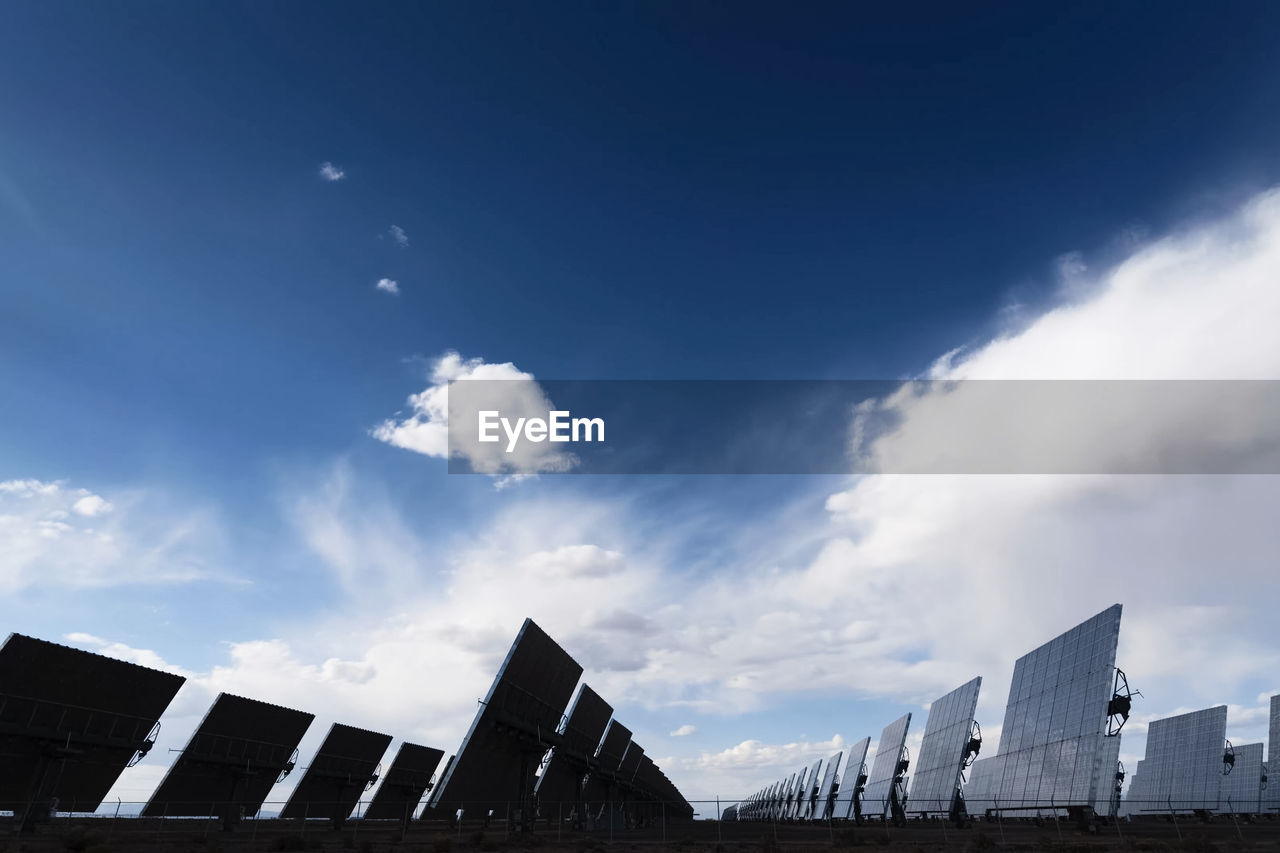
(1242, 787)
(827, 786)
(879, 782)
(810, 791)
(936, 774)
(797, 792)
(1055, 720)
(982, 778)
(1182, 769)
(1133, 796)
(1272, 794)
(1108, 758)
(784, 796)
(849, 778)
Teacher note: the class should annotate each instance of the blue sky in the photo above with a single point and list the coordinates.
(190, 327)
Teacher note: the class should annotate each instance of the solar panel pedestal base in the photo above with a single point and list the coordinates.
(55, 748)
(959, 813)
(857, 799)
(897, 814)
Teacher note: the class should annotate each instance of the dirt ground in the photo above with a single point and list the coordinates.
(198, 836)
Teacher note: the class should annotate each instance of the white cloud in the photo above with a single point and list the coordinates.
(58, 536)
(426, 429)
(684, 731)
(91, 505)
(575, 561)
(330, 172)
(387, 285)
(398, 234)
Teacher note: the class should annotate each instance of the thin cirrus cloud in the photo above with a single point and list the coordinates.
(387, 285)
(398, 234)
(55, 535)
(330, 172)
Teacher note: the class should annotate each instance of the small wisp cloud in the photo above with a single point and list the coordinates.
(330, 172)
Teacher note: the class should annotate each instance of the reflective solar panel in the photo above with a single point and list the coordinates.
(341, 770)
(233, 759)
(1242, 787)
(70, 722)
(936, 769)
(979, 792)
(809, 796)
(1182, 768)
(876, 800)
(848, 779)
(1055, 721)
(1109, 757)
(827, 788)
(494, 767)
(404, 783)
(1272, 794)
(1133, 795)
(783, 797)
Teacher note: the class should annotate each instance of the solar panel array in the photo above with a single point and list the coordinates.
(854, 766)
(1106, 802)
(1182, 770)
(1271, 797)
(827, 788)
(936, 776)
(70, 722)
(343, 768)
(494, 767)
(885, 774)
(1129, 806)
(1242, 787)
(234, 757)
(1051, 743)
(562, 777)
(404, 783)
(809, 797)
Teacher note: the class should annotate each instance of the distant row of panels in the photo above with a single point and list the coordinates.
(1059, 751)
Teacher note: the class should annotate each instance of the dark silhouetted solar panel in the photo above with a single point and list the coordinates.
(630, 763)
(404, 783)
(600, 787)
(570, 761)
(70, 722)
(233, 759)
(343, 768)
(513, 728)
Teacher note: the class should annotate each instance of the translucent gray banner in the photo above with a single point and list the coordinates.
(525, 427)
